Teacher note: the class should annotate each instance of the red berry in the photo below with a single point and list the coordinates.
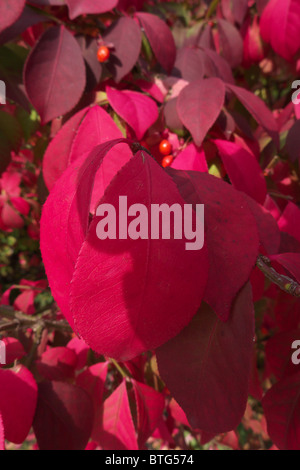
(165, 147)
(167, 161)
(103, 54)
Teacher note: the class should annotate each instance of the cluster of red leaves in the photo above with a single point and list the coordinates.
(169, 337)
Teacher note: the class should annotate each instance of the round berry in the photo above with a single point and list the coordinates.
(103, 54)
(165, 147)
(167, 161)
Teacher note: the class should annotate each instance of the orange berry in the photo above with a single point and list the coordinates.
(165, 147)
(167, 161)
(103, 54)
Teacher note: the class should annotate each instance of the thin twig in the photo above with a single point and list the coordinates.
(21, 320)
(9, 326)
(285, 283)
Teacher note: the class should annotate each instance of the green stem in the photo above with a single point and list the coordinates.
(124, 373)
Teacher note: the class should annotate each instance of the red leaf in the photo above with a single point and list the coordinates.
(160, 38)
(114, 426)
(191, 158)
(61, 241)
(89, 48)
(81, 7)
(258, 110)
(14, 350)
(268, 231)
(280, 25)
(92, 380)
(217, 66)
(231, 43)
(281, 405)
(57, 364)
(189, 64)
(253, 45)
(97, 128)
(64, 417)
(121, 325)
(289, 221)
(81, 350)
(150, 406)
(231, 236)
(199, 105)
(10, 12)
(55, 73)
(243, 170)
(138, 110)
(213, 361)
(56, 158)
(178, 414)
(17, 387)
(292, 142)
(235, 10)
(126, 39)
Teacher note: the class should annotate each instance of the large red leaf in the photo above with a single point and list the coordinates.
(160, 38)
(243, 170)
(64, 417)
(56, 158)
(258, 110)
(10, 11)
(18, 397)
(281, 405)
(207, 366)
(150, 406)
(114, 425)
(199, 105)
(231, 43)
(55, 73)
(70, 200)
(217, 66)
(126, 38)
(122, 310)
(98, 128)
(138, 110)
(189, 64)
(231, 235)
(84, 131)
(280, 25)
(81, 7)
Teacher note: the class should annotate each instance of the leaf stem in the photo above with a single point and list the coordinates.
(124, 373)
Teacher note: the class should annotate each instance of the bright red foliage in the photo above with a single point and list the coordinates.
(140, 343)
